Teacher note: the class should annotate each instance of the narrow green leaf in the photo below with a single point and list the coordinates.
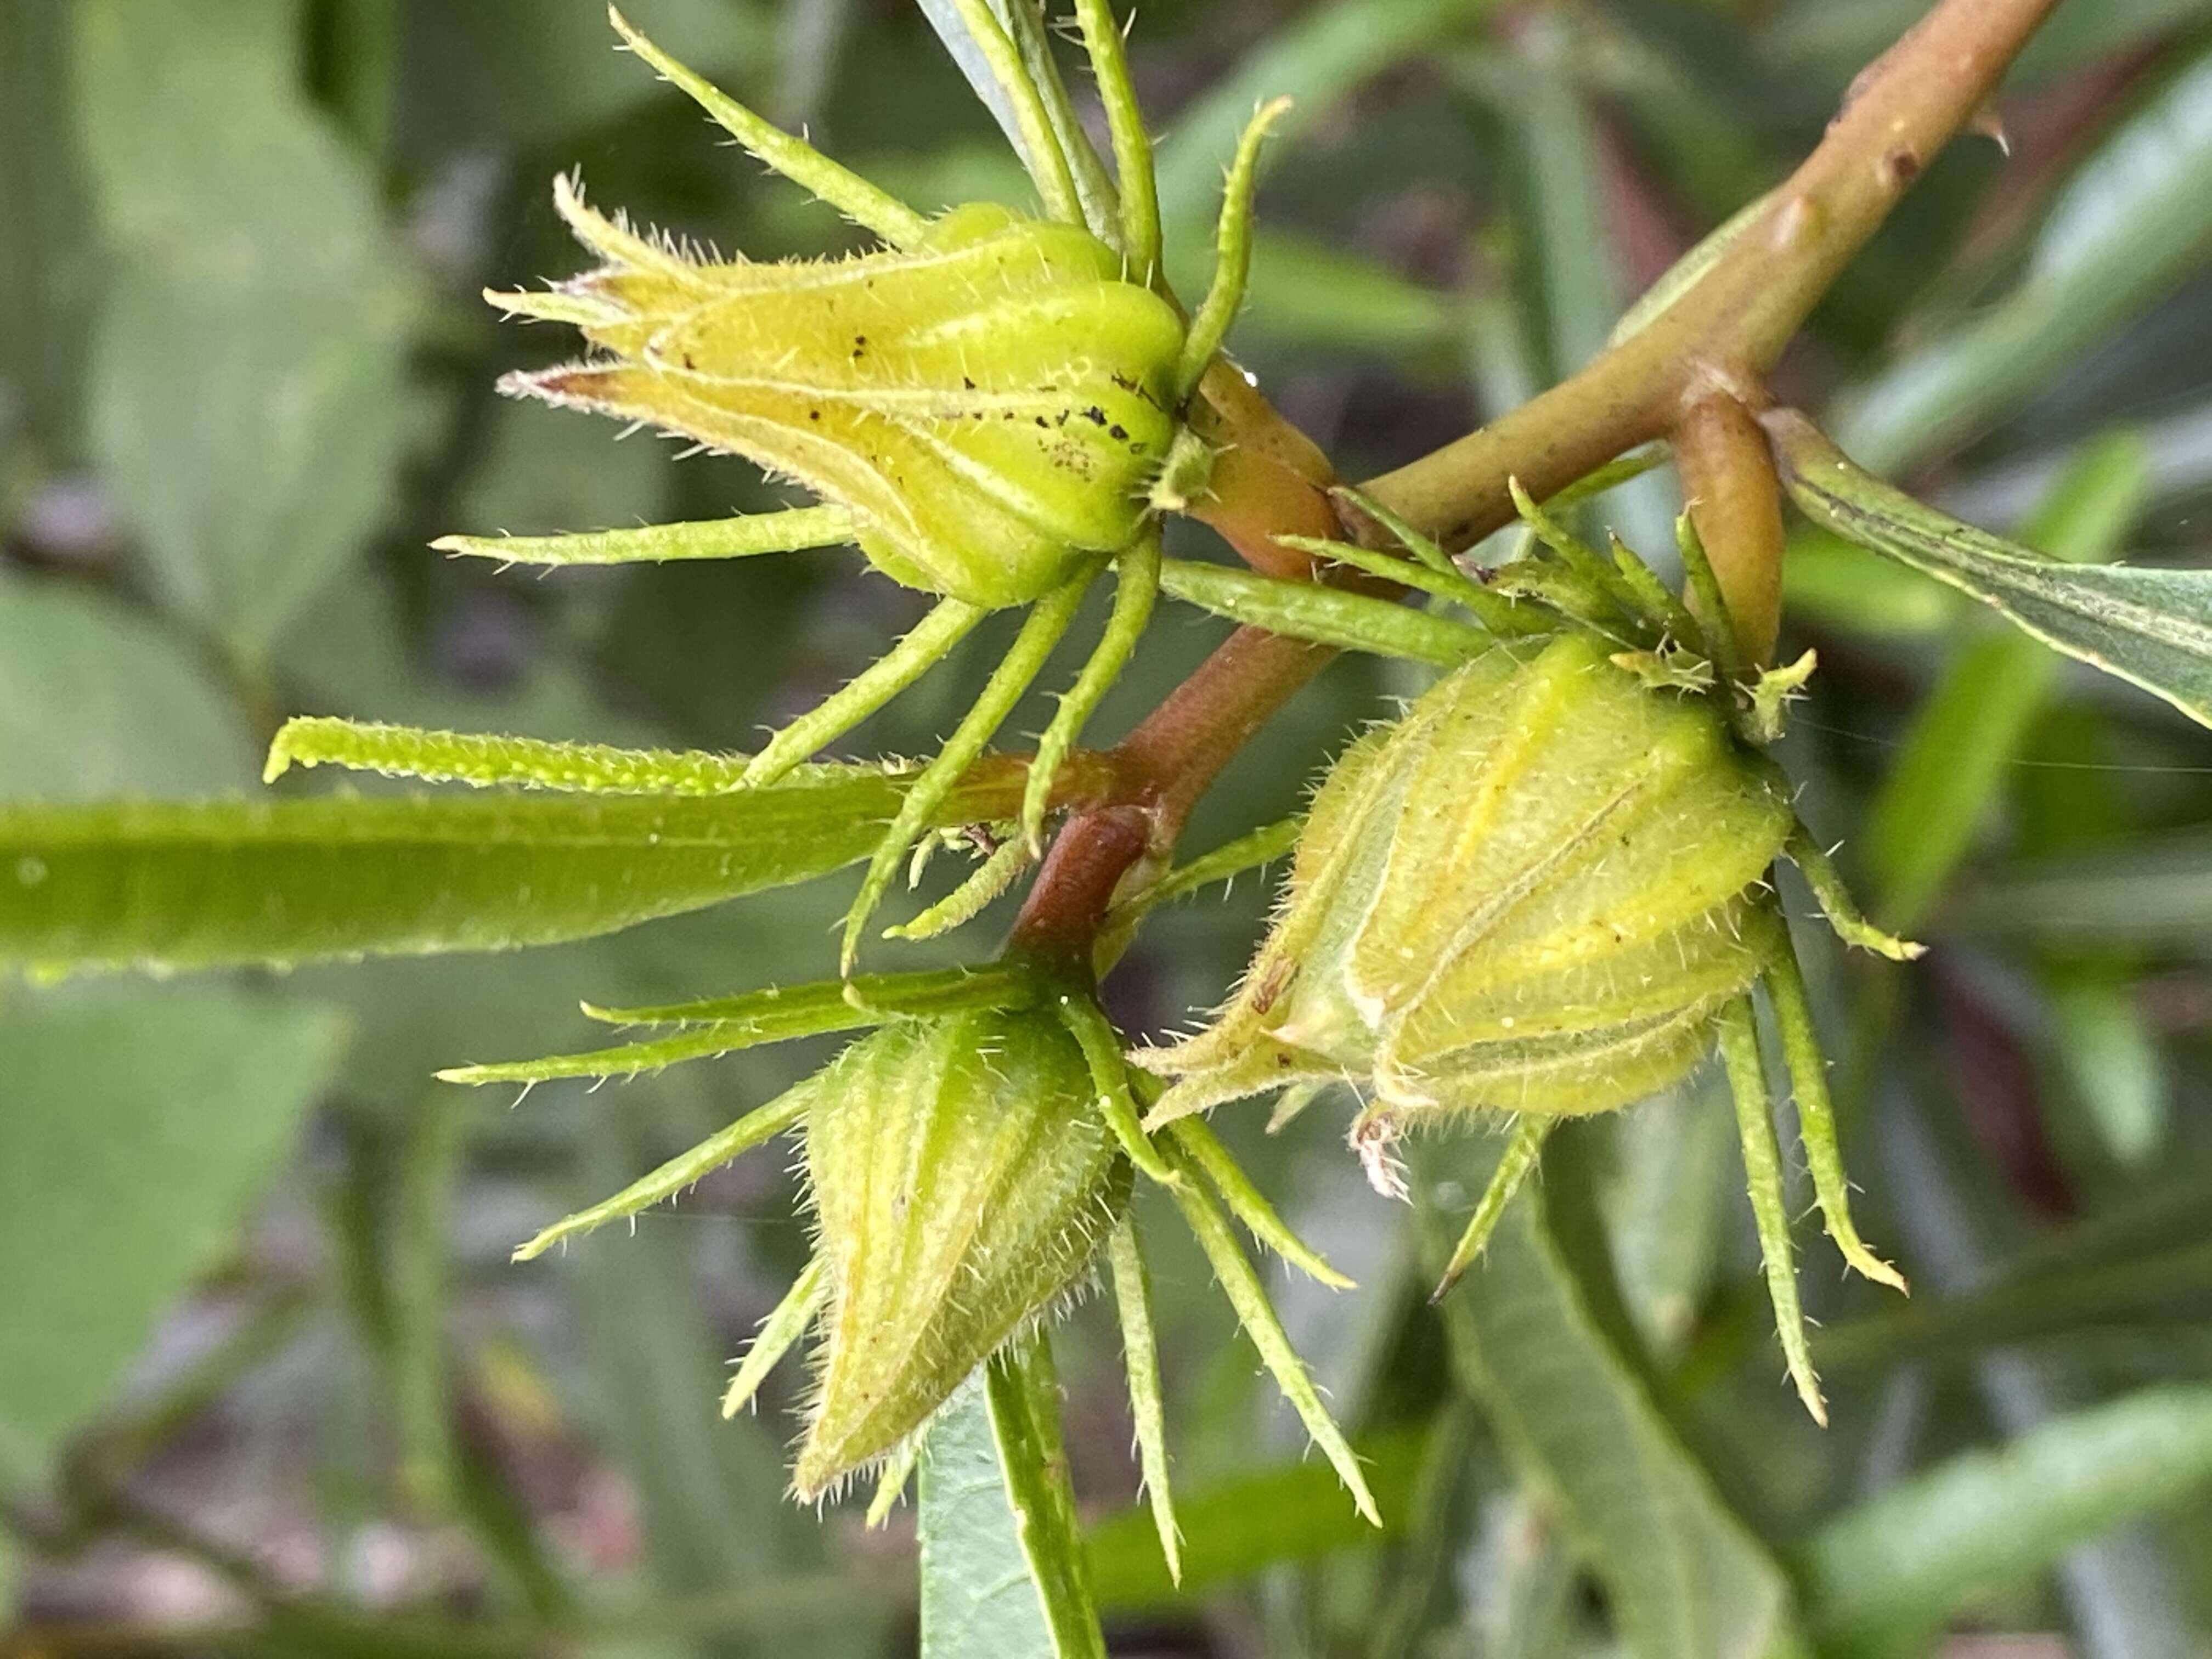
(207, 883)
(1683, 1575)
(2153, 1287)
(945, 17)
(1889, 1572)
(2150, 627)
(2111, 1052)
(1354, 622)
(1962, 742)
(1834, 42)
(138, 1128)
(977, 1596)
(1024, 1390)
(1833, 583)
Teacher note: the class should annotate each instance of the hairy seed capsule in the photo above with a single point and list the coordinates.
(991, 404)
(962, 1179)
(1530, 894)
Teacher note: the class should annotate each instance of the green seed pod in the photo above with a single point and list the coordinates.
(962, 1179)
(990, 403)
(1531, 894)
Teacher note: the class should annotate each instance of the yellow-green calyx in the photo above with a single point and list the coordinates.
(1530, 894)
(962, 1179)
(989, 405)
(1541, 894)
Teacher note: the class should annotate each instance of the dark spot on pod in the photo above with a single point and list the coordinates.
(966, 383)
(1094, 415)
(1041, 421)
(813, 414)
(1117, 431)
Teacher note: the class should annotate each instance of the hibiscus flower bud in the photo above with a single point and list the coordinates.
(1531, 894)
(990, 404)
(962, 1180)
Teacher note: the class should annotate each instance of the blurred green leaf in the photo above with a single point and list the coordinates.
(1242, 1526)
(2112, 1054)
(525, 72)
(2132, 220)
(137, 1129)
(1880, 1578)
(1683, 1574)
(545, 473)
(200, 885)
(1676, 1172)
(1555, 141)
(46, 259)
(248, 397)
(1304, 292)
(2154, 890)
(2148, 1259)
(712, 1492)
(1968, 731)
(977, 1596)
(2151, 627)
(1833, 583)
(1314, 60)
(95, 700)
(1837, 40)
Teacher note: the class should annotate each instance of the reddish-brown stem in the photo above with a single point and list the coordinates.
(1718, 337)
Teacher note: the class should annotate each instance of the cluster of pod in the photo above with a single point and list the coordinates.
(1541, 893)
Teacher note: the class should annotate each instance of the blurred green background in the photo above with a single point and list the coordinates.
(267, 1380)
